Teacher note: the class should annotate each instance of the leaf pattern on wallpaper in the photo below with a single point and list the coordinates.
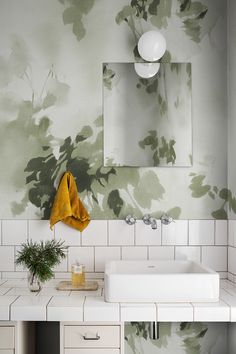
(108, 76)
(158, 12)
(16, 64)
(163, 150)
(188, 337)
(200, 189)
(192, 13)
(106, 191)
(74, 12)
(28, 127)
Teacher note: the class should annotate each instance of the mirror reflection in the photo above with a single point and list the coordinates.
(147, 122)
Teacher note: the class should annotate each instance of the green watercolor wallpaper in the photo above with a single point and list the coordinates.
(177, 338)
(51, 62)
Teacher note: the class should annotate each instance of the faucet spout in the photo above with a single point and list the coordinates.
(153, 224)
(148, 220)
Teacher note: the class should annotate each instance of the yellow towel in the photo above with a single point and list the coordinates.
(67, 206)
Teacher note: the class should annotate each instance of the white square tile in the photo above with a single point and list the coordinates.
(145, 235)
(96, 309)
(232, 260)
(105, 254)
(83, 255)
(176, 233)
(174, 312)
(30, 308)
(95, 234)
(72, 237)
(14, 232)
(201, 232)
(215, 257)
(65, 308)
(120, 234)
(62, 267)
(5, 303)
(221, 232)
(134, 252)
(161, 252)
(231, 277)
(137, 312)
(230, 300)
(7, 257)
(188, 253)
(232, 232)
(39, 230)
(14, 275)
(211, 312)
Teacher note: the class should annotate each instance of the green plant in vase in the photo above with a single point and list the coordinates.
(40, 258)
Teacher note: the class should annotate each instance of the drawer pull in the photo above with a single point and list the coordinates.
(97, 337)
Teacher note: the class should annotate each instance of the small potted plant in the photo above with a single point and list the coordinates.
(40, 259)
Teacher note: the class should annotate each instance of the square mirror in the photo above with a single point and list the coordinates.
(147, 122)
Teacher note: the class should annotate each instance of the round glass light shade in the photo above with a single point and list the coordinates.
(152, 45)
(146, 70)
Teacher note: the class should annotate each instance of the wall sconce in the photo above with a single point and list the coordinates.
(146, 70)
(151, 47)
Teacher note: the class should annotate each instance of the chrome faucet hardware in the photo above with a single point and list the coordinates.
(166, 219)
(130, 219)
(148, 220)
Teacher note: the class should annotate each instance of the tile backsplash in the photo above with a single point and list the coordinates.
(202, 240)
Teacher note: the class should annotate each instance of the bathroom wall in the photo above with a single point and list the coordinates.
(51, 59)
(201, 240)
(231, 134)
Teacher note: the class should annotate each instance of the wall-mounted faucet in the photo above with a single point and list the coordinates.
(148, 220)
(130, 219)
(166, 219)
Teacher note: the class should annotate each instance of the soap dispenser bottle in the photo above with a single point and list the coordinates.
(77, 274)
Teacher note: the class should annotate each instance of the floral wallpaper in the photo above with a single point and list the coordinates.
(51, 72)
(178, 338)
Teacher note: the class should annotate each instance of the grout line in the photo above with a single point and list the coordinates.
(46, 307)
(10, 306)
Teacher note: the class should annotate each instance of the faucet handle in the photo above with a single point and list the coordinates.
(147, 219)
(166, 219)
(130, 219)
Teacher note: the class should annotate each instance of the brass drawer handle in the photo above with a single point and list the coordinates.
(91, 338)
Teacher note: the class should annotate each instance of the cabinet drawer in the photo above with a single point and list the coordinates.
(109, 337)
(90, 351)
(7, 338)
(6, 351)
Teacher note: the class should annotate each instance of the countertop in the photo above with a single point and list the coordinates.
(18, 304)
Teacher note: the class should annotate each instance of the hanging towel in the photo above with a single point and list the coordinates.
(67, 206)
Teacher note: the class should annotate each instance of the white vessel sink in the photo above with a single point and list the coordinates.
(160, 281)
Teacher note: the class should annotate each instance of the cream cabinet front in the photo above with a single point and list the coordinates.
(78, 338)
(16, 337)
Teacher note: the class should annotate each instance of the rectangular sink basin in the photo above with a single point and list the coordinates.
(160, 281)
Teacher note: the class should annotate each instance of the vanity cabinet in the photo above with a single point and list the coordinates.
(16, 337)
(78, 338)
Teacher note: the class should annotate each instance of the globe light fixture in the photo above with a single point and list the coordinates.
(146, 70)
(152, 46)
